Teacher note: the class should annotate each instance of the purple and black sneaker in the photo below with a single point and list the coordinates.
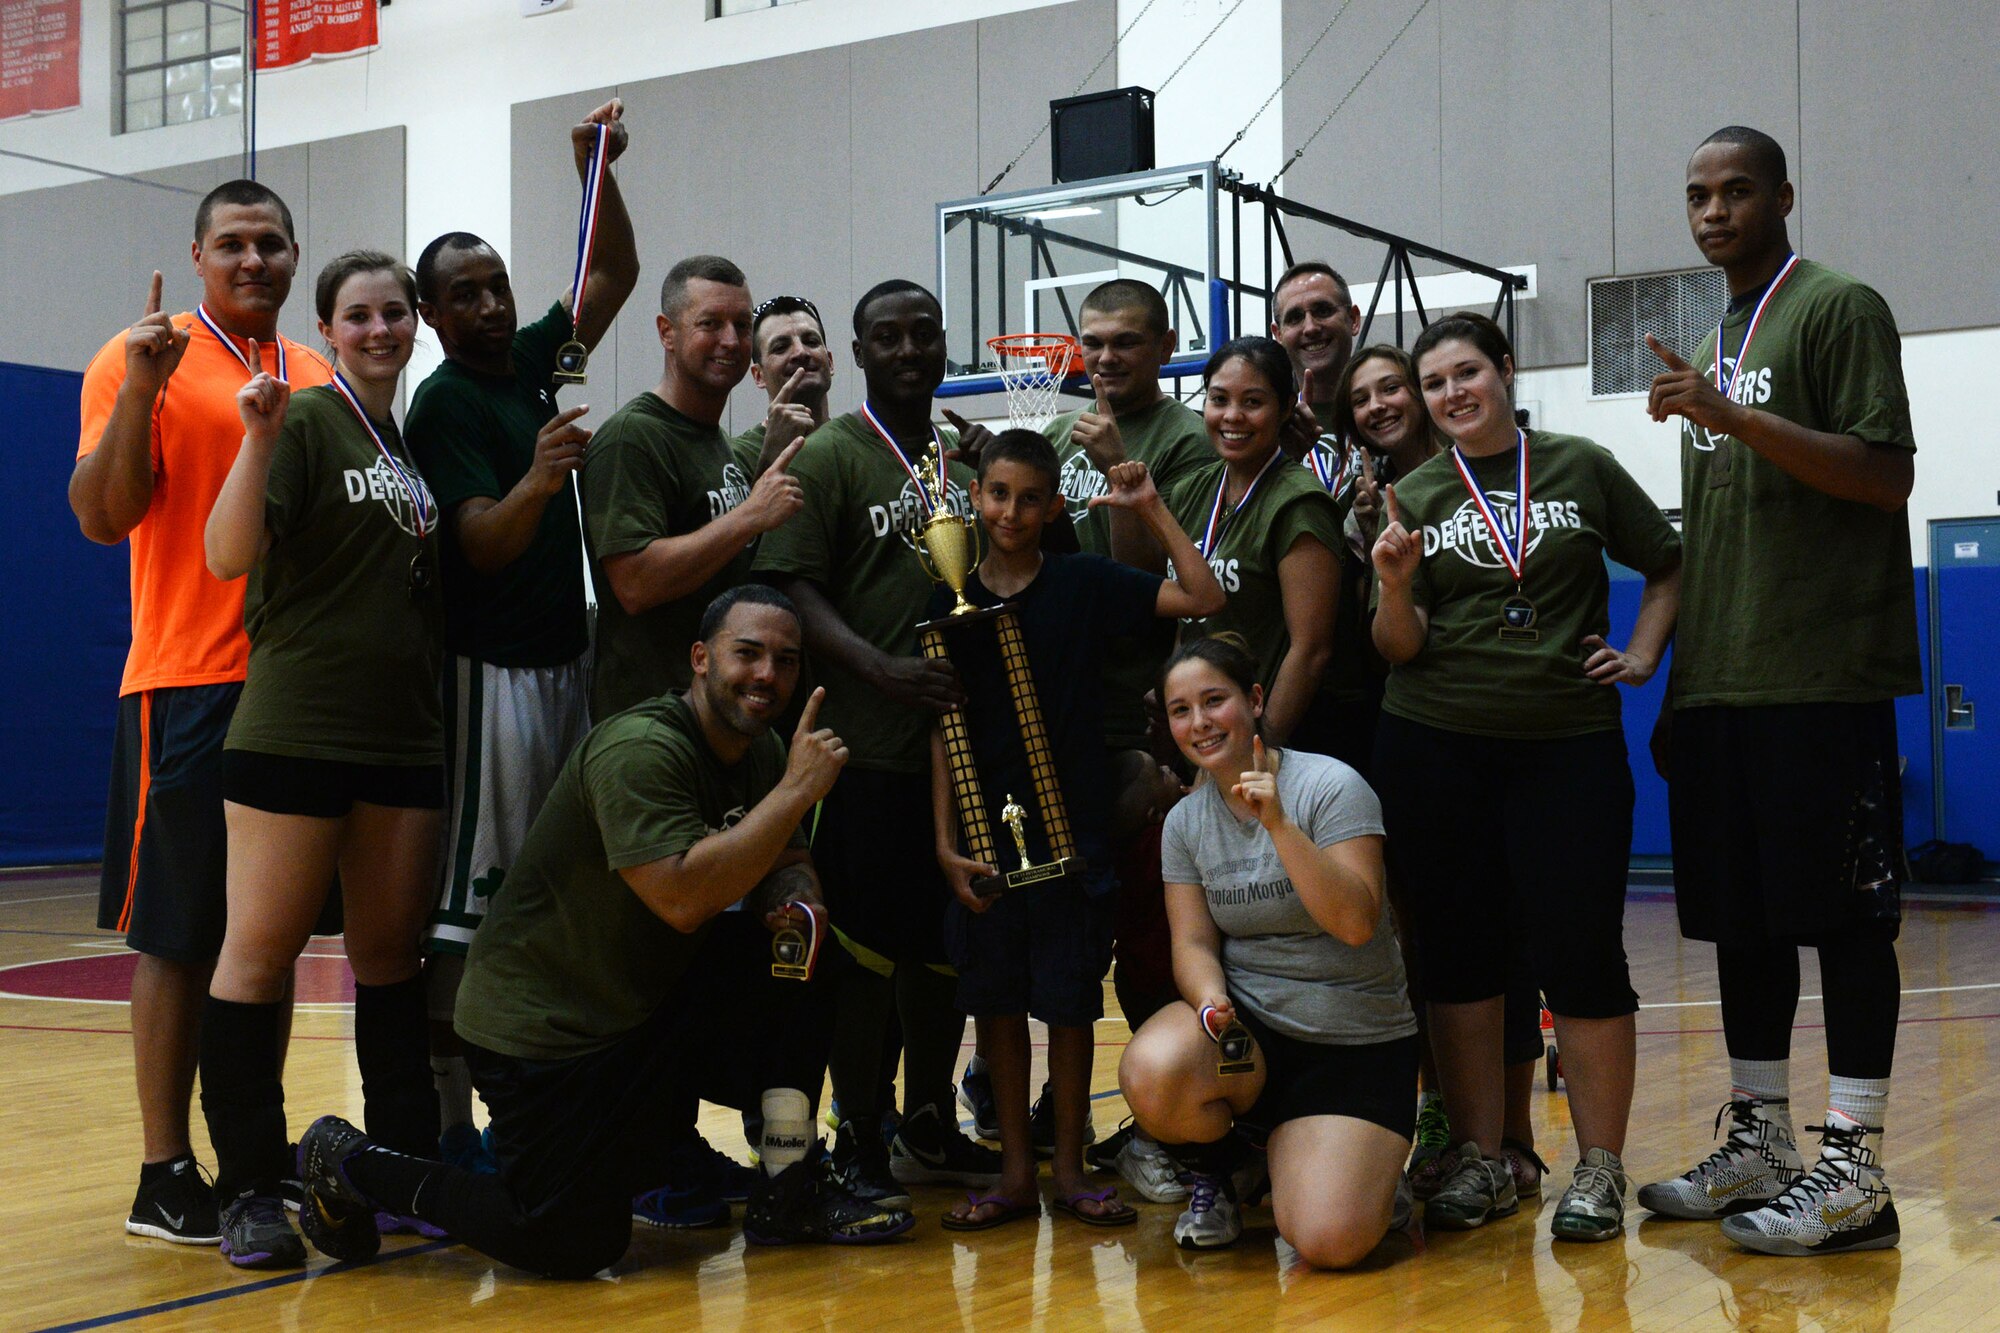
(255, 1234)
(336, 1217)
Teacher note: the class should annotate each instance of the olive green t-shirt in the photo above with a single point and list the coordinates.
(344, 656)
(1170, 439)
(852, 540)
(1286, 507)
(1583, 507)
(474, 437)
(653, 472)
(1791, 595)
(570, 959)
(746, 447)
(1352, 675)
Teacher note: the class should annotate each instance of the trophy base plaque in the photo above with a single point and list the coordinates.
(1061, 868)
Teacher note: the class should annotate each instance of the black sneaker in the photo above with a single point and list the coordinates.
(255, 1234)
(861, 1160)
(699, 1163)
(1042, 1126)
(336, 1217)
(808, 1202)
(930, 1151)
(175, 1203)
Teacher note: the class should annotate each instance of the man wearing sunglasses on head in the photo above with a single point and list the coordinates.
(789, 361)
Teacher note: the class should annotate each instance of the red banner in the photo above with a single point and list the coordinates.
(291, 32)
(38, 45)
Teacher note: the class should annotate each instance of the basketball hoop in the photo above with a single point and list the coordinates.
(1033, 367)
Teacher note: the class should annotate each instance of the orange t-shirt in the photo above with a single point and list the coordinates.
(187, 625)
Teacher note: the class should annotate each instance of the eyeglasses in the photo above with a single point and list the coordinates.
(784, 305)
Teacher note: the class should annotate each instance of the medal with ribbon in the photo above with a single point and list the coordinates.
(1235, 1049)
(1217, 522)
(1727, 387)
(423, 507)
(573, 358)
(795, 948)
(927, 502)
(242, 357)
(1335, 477)
(1517, 616)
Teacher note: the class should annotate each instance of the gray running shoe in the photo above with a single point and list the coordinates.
(1593, 1207)
(1141, 1163)
(1211, 1219)
(1753, 1166)
(255, 1234)
(1477, 1190)
(1842, 1204)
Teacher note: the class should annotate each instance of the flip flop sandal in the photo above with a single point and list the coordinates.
(1123, 1216)
(1010, 1210)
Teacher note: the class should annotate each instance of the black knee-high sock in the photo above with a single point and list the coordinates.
(1863, 985)
(861, 1019)
(933, 1029)
(1760, 997)
(243, 1097)
(392, 1046)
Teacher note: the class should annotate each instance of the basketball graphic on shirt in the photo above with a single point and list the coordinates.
(1080, 483)
(381, 483)
(1750, 390)
(1466, 535)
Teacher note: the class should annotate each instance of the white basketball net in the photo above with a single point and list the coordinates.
(1032, 368)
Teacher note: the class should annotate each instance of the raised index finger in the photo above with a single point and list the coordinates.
(809, 719)
(1257, 762)
(153, 296)
(1668, 356)
(785, 390)
(1389, 499)
(1306, 388)
(779, 463)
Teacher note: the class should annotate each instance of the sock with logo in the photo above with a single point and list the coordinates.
(788, 1133)
(1761, 1080)
(1862, 1102)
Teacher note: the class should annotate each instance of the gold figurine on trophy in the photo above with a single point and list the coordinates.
(948, 546)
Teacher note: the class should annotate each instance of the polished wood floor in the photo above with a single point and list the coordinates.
(69, 1144)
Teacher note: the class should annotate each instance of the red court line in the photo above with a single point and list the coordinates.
(126, 1032)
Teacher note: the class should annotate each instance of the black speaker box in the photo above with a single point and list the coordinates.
(1101, 134)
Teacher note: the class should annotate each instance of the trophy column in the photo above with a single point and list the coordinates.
(958, 756)
(1034, 739)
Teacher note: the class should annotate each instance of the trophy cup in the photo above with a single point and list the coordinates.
(947, 546)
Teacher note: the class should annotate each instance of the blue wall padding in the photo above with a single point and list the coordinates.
(66, 606)
(1650, 836)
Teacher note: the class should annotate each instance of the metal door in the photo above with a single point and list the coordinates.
(1965, 680)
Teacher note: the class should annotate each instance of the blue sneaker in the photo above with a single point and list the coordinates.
(681, 1208)
(975, 1094)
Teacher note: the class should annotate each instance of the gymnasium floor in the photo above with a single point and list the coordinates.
(69, 1137)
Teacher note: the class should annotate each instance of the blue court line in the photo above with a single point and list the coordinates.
(208, 1297)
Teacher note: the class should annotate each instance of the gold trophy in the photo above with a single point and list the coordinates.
(948, 547)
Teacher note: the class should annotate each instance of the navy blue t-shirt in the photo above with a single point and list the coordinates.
(1076, 606)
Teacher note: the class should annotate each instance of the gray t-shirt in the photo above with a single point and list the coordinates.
(1280, 965)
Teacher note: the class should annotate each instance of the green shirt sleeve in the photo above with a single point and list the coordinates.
(804, 544)
(642, 792)
(1312, 517)
(629, 492)
(1856, 361)
(1637, 535)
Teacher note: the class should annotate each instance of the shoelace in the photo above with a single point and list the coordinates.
(1433, 1126)
(1830, 1173)
(1592, 1178)
(1202, 1191)
(1744, 1133)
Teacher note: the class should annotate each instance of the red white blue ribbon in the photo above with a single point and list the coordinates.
(1339, 478)
(1208, 1011)
(923, 493)
(1728, 386)
(1217, 524)
(1515, 552)
(243, 357)
(586, 223)
(420, 495)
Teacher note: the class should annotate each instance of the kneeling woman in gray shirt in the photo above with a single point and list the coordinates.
(1273, 869)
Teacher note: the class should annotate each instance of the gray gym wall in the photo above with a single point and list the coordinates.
(75, 260)
(816, 172)
(1556, 134)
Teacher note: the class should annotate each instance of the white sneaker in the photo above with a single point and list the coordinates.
(1754, 1165)
(1141, 1163)
(1211, 1220)
(1842, 1204)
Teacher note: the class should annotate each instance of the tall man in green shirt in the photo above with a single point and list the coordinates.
(602, 987)
(485, 431)
(1797, 632)
(847, 560)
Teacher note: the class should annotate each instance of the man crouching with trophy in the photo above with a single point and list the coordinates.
(1026, 630)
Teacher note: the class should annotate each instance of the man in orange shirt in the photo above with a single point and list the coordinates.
(160, 430)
